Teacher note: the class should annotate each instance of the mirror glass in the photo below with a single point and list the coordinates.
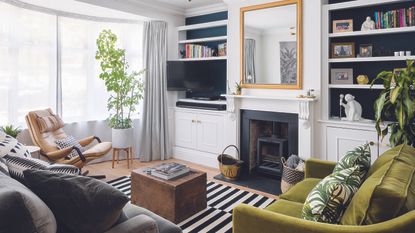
(270, 47)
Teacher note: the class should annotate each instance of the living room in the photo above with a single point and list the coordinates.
(207, 116)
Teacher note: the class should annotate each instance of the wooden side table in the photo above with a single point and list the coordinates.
(175, 200)
(116, 151)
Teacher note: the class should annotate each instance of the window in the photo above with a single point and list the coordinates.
(35, 46)
(83, 93)
(28, 62)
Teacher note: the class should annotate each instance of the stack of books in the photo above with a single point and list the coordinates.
(198, 51)
(395, 18)
(168, 171)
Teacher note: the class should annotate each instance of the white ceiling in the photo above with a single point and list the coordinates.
(185, 4)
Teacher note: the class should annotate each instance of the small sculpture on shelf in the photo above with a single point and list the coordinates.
(368, 25)
(352, 108)
(362, 79)
(238, 88)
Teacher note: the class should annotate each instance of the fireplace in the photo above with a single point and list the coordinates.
(266, 137)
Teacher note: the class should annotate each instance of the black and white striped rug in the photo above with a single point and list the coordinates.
(217, 217)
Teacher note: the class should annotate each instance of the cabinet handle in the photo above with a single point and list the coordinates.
(371, 143)
(199, 122)
(193, 121)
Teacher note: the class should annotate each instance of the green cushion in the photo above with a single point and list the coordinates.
(285, 207)
(387, 193)
(299, 192)
(328, 200)
(359, 156)
(386, 157)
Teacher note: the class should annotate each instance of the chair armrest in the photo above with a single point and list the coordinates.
(88, 140)
(138, 224)
(62, 153)
(315, 168)
(249, 219)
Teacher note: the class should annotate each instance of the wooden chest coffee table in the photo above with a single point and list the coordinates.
(175, 199)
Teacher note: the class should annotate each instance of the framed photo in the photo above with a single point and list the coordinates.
(345, 25)
(341, 76)
(342, 50)
(365, 50)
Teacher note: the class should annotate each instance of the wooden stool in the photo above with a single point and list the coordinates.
(116, 151)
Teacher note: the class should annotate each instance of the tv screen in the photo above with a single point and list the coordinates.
(202, 78)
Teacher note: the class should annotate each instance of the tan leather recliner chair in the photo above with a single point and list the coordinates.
(45, 128)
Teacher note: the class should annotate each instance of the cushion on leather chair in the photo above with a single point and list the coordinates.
(300, 191)
(388, 193)
(47, 121)
(99, 149)
(285, 207)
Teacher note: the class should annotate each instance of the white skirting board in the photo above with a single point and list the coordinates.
(198, 157)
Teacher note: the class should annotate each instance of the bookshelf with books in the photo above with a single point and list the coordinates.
(385, 42)
(203, 37)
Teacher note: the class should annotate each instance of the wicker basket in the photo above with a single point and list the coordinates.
(229, 166)
(290, 176)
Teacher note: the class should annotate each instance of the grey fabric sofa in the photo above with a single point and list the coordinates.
(22, 211)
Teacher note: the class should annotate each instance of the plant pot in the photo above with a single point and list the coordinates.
(122, 138)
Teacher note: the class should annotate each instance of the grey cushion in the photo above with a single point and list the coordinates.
(31, 206)
(80, 204)
(164, 226)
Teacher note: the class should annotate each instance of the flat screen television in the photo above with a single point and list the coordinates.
(204, 79)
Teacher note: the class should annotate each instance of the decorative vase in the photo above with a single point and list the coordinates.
(362, 79)
(122, 138)
(238, 92)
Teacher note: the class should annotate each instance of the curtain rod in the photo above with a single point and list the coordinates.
(46, 10)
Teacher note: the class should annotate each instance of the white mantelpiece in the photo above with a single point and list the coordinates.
(304, 107)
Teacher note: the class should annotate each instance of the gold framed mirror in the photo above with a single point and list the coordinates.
(271, 45)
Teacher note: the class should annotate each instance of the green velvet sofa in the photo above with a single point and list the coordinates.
(284, 215)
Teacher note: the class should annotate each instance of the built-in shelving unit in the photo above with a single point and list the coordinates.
(373, 32)
(207, 41)
(356, 86)
(384, 41)
(198, 26)
(371, 59)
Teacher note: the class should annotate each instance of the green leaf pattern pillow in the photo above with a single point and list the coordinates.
(359, 156)
(331, 196)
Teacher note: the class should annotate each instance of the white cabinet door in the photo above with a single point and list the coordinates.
(210, 131)
(185, 129)
(341, 140)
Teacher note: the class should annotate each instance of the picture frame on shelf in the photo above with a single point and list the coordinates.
(343, 25)
(343, 50)
(341, 76)
(365, 50)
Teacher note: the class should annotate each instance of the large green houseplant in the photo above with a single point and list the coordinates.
(126, 89)
(397, 102)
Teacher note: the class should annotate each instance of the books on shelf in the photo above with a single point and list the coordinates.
(199, 51)
(395, 18)
(168, 171)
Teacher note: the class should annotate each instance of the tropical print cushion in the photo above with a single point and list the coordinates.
(331, 196)
(359, 156)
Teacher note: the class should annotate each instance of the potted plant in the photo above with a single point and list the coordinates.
(238, 88)
(11, 130)
(126, 89)
(397, 102)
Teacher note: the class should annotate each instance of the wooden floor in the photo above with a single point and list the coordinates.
(120, 169)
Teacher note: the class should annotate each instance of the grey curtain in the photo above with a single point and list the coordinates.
(250, 76)
(155, 135)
